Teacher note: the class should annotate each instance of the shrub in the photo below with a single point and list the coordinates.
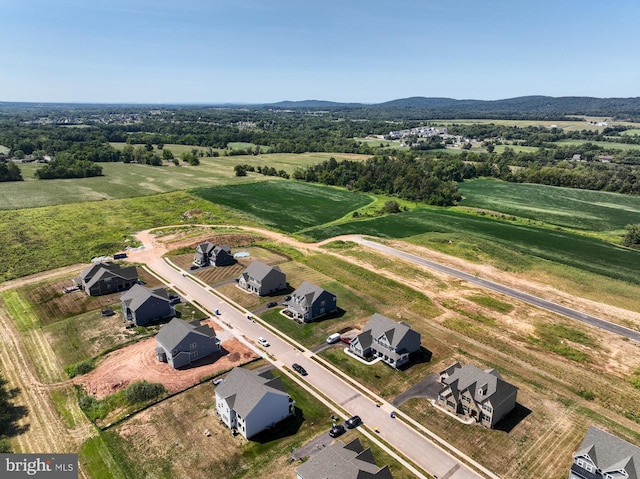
(142, 391)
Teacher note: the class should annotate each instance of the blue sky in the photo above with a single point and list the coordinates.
(209, 51)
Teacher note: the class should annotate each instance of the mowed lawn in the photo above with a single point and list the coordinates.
(499, 238)
(566, 207)
(288, 206)
(603, 144)
(122, 180)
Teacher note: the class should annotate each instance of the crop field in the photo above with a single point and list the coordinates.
(129, 180)
(566, 207)
(516, 148)
(285, 205)
(500, 238)
(567, 125)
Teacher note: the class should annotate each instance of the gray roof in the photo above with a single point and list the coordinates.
(308, 292)
(96, 272)
(205, 248)
(257, 270)
(138, 294)
(610, 453)
(496, 389)
(172, 333)
(380, 325)
(343, 461)
(244, 389)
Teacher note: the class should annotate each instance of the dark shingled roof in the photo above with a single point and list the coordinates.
(172, 333)
(610, 453)
(138, 294)
(495, 388)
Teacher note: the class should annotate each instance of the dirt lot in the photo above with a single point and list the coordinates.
(138, 361)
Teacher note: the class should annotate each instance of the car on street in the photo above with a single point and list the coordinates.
(263, 342)
(271, 304)
(352, 422)
(337, 430)
(299, 369)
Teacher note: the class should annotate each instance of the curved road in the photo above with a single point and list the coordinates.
(514, 293)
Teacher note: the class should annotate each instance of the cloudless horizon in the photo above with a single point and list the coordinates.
(256, 51)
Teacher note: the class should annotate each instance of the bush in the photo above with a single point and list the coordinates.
(83, 367)
(143, 391)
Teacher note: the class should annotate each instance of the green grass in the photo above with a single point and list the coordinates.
(516, 148)
(554, 337)
(509, 242)
(239, 145)
(100, 457)
(566, 207)
(492, 303)
(5, 150)
(21, 310)
(631, 132)
(603, 144)
(286, 205)
(40, 239)
(130, 180)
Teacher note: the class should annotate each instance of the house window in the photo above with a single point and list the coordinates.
(465, 408)
(487, 408)
(466, 399)
(580, 463)
(588, 467)
(194, 354)
(193, 345)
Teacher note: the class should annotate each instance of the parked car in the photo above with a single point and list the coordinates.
(271, 304)
(346, 340)
(302, 371)
(337, 430)
(352, 422)
(334, 338)
(263, 342)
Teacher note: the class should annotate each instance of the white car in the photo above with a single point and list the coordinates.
(263, 342)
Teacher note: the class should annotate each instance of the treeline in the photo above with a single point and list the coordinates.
(65, 166)
(430, 181)
(9, 416)
(9, 171)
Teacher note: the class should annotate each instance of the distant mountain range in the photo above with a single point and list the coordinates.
(531, 104)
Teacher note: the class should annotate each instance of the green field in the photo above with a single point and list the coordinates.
(4, 149)
(567, 125)
(287, 205)
(516, 148)
(238, 145)
(603, 144)
(122, 180)
(566, 207)
(631, 132)
(498, 239)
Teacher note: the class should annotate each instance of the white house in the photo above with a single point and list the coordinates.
(249, 403)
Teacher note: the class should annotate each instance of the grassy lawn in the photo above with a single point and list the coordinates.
(566, 207)
(516, 246)
(631, 132)
(516, 148)
(239, 145)
(287, 205)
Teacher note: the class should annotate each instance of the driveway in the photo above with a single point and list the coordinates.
(427, 388)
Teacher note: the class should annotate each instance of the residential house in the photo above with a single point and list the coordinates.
(208, 254)
(309, 302)
(249, 403)
(180, 343)
(142, 305)
(262, 279)
(605, 456)
(386, 339)
(482, 395)
(106, 278)
(343, 461)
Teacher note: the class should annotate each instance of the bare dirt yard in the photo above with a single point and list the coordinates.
(138, 361)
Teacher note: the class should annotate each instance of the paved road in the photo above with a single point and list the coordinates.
(527, 298)
(395, 432)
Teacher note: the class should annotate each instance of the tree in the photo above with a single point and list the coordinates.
(167, 154)
(240, 170)
(9, 171)
(632, 238)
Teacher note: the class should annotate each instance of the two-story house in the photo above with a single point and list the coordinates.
(310, 302)
(180, 343)
(386, 339)
(605, 456)
(141, 305)
(482, 395)
(209, 254)
(262, 279)
(249, 403)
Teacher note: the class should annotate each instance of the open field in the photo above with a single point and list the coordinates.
(286, 205)
(603, 144)
(516, 148)
(515, 246)
(631, 132)
(567, 207)
(4, 150)
(564, 124)
(122, 180)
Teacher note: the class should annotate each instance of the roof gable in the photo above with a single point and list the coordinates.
(248, 388)
(610, 453)
(176, 330)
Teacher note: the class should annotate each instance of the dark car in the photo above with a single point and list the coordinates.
(337, 430)
(271, 304)
(302, 371)
(352, 422)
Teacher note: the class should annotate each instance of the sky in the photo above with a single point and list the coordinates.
(263, 51)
